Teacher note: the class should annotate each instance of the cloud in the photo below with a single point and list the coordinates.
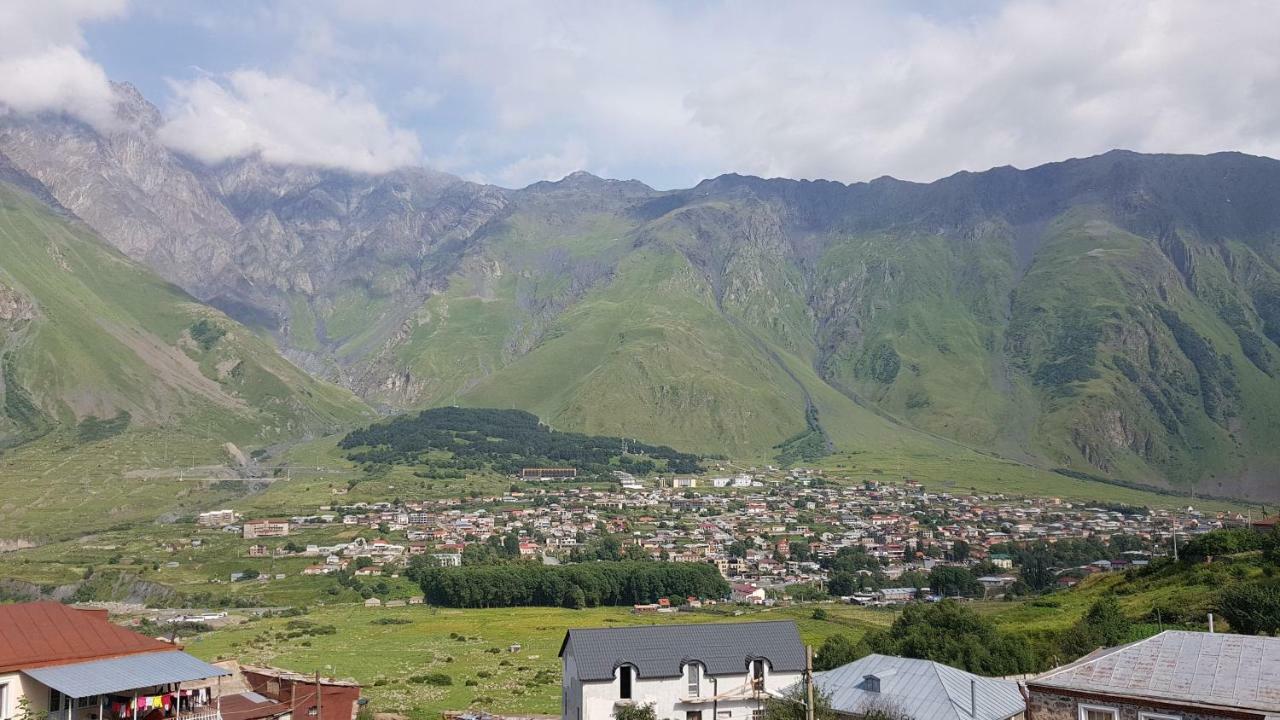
(285, 121)
(672, 92)
(43, 67)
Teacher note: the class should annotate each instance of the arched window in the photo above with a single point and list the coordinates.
(626, 678)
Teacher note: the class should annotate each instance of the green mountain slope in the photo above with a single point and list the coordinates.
(94, 342)
(1114, 316)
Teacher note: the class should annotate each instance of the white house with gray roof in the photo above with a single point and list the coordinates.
(918, 689)
(708, 671)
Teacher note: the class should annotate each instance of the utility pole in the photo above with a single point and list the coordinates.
(808, 682)
(319, 709)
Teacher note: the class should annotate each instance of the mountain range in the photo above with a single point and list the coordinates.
(1115, 316)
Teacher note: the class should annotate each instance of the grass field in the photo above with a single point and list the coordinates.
(462, 644)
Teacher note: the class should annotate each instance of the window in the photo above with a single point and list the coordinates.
(757, 674)
(693, 715)
(624, 682)
(695, 681)
(1157, 716)
(1097, 712)
(4, 700)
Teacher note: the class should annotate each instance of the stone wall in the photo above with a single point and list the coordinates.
(1053, 706)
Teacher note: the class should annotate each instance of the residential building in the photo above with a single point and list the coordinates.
(744, 593)
(918, 689)
(216, 518)
(265, 528)
(713, 671)
(1176, 675)
(64, 663)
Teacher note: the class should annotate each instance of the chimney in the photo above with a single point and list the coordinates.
(973, 698)
(1210, 622)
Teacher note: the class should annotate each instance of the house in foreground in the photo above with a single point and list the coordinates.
(64, 663)
(917, 689)
(706, 671)
(1176, 675)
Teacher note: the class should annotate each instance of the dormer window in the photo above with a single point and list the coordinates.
(757, 673)
(625, 673)
(695, 680)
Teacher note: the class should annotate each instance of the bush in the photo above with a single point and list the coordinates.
(438, 679)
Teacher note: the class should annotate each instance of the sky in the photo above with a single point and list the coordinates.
(668, 93)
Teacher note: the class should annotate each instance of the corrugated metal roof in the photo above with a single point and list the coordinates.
(101, 677)
(1236, 671)
(663, 650)
(47, 633)
(919, 689)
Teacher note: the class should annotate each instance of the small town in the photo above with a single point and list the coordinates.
(764, 534)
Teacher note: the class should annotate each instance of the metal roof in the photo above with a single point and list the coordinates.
(1235, 671)
(101, 677)
(48, 633)
(919, 689)
(663, 650)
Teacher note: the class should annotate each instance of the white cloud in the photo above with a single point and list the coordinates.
(839, 90)
(285, 121)
(43, 67)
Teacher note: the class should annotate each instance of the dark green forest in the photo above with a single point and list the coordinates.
(503, 441)
(572, 586)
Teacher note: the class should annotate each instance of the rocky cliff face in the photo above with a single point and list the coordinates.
(1116, 315)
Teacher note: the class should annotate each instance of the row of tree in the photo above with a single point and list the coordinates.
(572, 586)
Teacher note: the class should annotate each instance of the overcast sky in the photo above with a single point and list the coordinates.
(667, 92)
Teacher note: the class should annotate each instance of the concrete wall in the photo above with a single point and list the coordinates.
(1053, 706)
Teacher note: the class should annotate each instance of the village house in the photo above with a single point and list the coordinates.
(713, 671)
(917, 690)
(65, 663)
(1176, 675)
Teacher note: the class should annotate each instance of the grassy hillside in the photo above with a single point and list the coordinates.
(107, 369)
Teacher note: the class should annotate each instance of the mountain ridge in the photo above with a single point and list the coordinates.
(1116, 315)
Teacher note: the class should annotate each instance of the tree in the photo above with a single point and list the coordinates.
(791, 706)
(951, 581)
(951, 633)
(1037, 570)
(1252, 607)
(635, 712)
(959, 551)
(1103, 625)
(836, 651)
(843, 583)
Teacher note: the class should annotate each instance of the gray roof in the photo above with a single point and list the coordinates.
(1235, 671)
(921, 689)
(102, 677)
(663, 650)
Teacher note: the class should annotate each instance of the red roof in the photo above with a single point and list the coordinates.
(49, 633)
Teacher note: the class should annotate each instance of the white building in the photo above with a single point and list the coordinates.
(711, 671)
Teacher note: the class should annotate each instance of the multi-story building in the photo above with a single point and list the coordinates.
(265, 528)
(713, 671)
